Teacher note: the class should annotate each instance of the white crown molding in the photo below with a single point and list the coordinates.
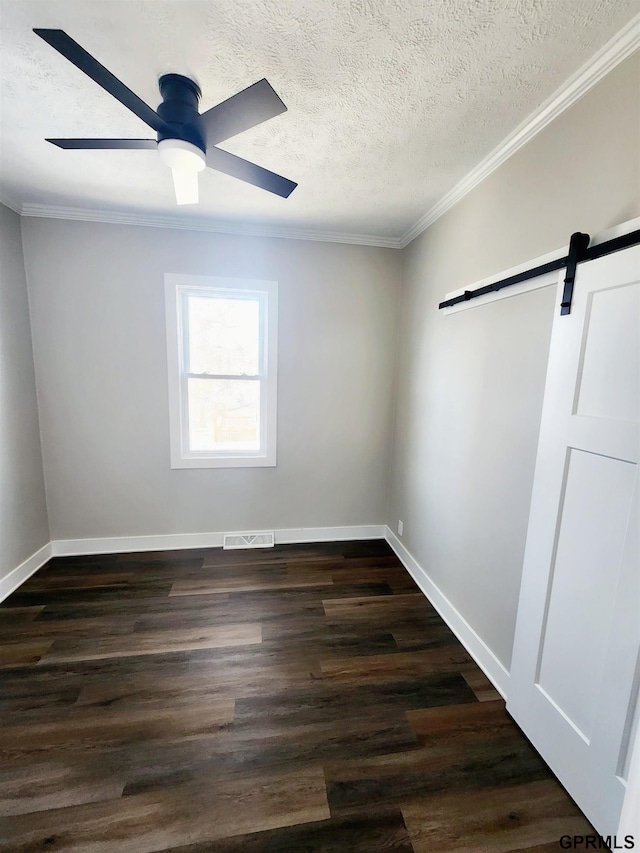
(115, 217)
(11, 203)
(615, 51)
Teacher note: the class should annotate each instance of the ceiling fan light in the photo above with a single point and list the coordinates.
(185, 184)
(182, 156)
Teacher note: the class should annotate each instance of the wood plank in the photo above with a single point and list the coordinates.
(326, 701)
(313, 636)
(391, 608)
(34, 703)
(415, 634)
(199, 685)
(37, 787)
(480, 684)
(40, 630)
(78, 581)
(14, 654)
(220, 609)
(249, 747)
(373, 668)
(364, 832)
(475, 721)
(298, 554)
(12, 617)
(212, 587)
(446, 766)
(154, 643)
(304, 698)
(25, 597)
(106, 726)
(497, 821)
(383, 570)
(183, 815)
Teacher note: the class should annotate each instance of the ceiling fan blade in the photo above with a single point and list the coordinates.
(103, 143)
(222, 161)
(185, 183)
(248, 108)
(72, 51)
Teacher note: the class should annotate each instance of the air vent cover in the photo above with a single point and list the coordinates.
(248, 540)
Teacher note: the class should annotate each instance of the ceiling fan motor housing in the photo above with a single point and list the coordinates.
(179, 109)
(186, 140)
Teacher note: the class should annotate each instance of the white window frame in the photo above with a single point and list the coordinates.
(178, 288)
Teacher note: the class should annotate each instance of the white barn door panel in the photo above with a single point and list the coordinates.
(575, 667)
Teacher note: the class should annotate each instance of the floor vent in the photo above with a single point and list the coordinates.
(248, 540)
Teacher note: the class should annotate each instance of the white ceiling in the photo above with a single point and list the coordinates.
(391, 102)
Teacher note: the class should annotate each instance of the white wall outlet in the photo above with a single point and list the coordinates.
(400, 528)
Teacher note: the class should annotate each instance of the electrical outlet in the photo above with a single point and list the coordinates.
(400, 528)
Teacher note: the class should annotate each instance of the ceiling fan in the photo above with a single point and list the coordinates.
(186, 139)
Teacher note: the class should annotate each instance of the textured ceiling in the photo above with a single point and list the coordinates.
(391, 102)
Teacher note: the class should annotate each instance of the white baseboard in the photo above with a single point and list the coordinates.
(175, 541)
(477, 648)
(330, 534)
(132, 544)
(172, 542)
(9, 583)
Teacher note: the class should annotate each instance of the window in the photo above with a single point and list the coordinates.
(222, 352)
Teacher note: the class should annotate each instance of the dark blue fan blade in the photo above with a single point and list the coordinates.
(248, 108)
(222, 161)
(72, 51)
(104, 143)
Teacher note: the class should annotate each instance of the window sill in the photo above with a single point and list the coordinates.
(223, 461)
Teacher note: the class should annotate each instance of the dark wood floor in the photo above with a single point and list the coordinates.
(304, 698)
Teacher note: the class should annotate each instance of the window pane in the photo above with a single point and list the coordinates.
(224, 414)
(224, 335)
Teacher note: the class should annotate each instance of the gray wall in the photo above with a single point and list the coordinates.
(23, 512)
(470, 385)
(97, 302)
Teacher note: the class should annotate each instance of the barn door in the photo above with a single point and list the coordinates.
(575, 666)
